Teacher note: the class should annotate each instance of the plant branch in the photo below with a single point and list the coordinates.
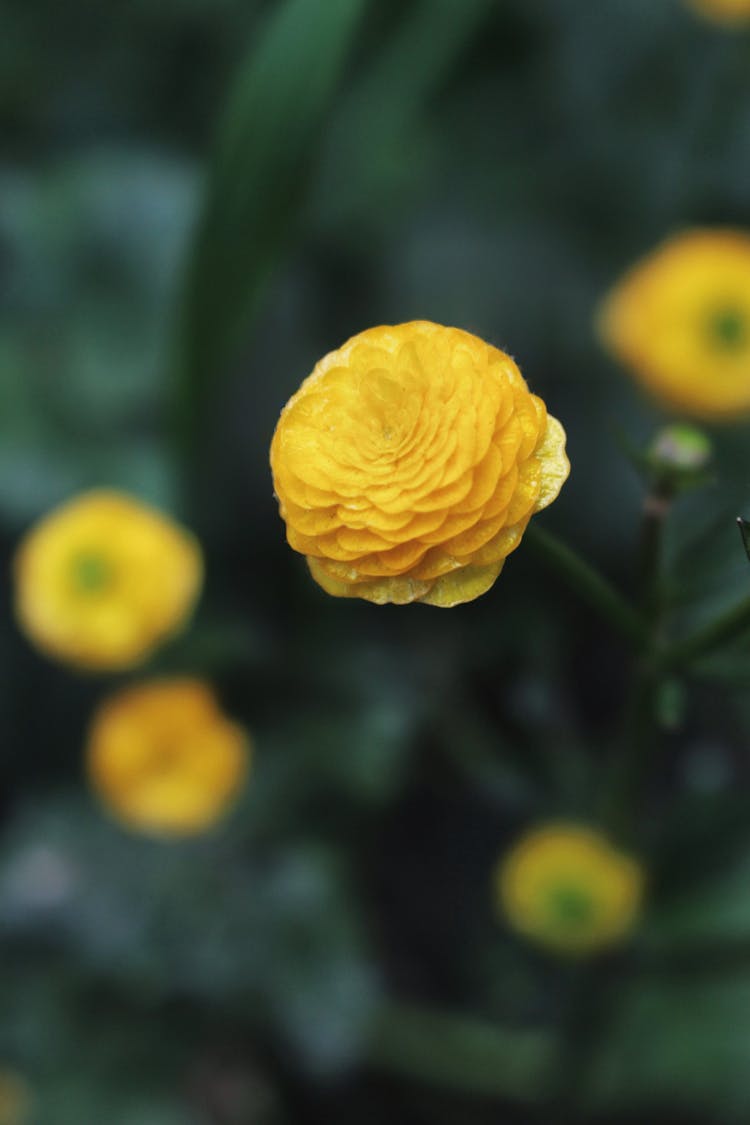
(728, 627)
(590, 586)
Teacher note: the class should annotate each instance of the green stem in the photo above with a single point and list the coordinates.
(589, 585)
(587, 1008)
(656, 508)
(631, 764)
(728, 627)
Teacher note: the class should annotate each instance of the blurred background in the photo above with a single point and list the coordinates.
(191, 214)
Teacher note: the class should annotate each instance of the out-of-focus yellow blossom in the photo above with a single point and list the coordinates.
(409, 463)
(680, 319)
(567, 888)
(723, 11)
(164, 758)
(101, 581)
(15, 1098)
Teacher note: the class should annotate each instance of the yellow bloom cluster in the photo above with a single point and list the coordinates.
(680, 320)
(567, 888)
(105, 579)
(723, 11)
(164, 759)
(410, 462)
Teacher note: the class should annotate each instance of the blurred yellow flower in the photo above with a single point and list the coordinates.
(101, 581)
(164, 758)
(723, 11)
(409, 463)
(567, 888)
(15, 1098)
(680, 319)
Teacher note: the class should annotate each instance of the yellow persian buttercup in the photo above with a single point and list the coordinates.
(723, 11)
(680, 319)
(101, 581)
(565, 887)
(164, 759)
(409, 463)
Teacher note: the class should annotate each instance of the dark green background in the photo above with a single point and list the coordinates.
(492, 165)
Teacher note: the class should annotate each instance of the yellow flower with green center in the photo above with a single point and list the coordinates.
(103, 580)
(409, 463)
(723, 11)
(680, 320)
(164, 759)
(567, 888)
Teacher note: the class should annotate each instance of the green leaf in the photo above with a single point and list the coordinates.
(703, 835)
(683, 1018)
(716, 911)
(681, 1042)
(372, 148)
(266, 148)
(461, 1053)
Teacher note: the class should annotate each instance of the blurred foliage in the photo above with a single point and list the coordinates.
(491, 166)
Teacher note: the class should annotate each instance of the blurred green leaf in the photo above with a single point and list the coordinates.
(93, 243)
(267, 144)
(372, 149)
(275, 937)
(89, 1055)
(671, 704)
(462, 1053)
(716, 910)
(683, 1020)
(682, 1042)
(703, 835)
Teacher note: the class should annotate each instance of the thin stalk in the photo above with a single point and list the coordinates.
(728, 627)
(589, 1002)
(588, 1006)
(630, 765)
(590, 586)
(656, 508)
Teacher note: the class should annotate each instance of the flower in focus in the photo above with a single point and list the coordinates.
(15, 1098)
(680, 319)
(101, 581)
(567, 888)
(164, 758)
(409, 463)
(723, 11)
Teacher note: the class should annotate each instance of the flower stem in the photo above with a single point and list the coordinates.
(589, 585)
(623, 787)
(656, 508)
(631, 764)
(728, 627)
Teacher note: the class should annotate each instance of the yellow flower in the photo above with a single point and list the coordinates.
(680, 320)
(409, 463)
(567, 888)
(15, 1098)
(164, 759)
(104, 579)
(723, 11)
